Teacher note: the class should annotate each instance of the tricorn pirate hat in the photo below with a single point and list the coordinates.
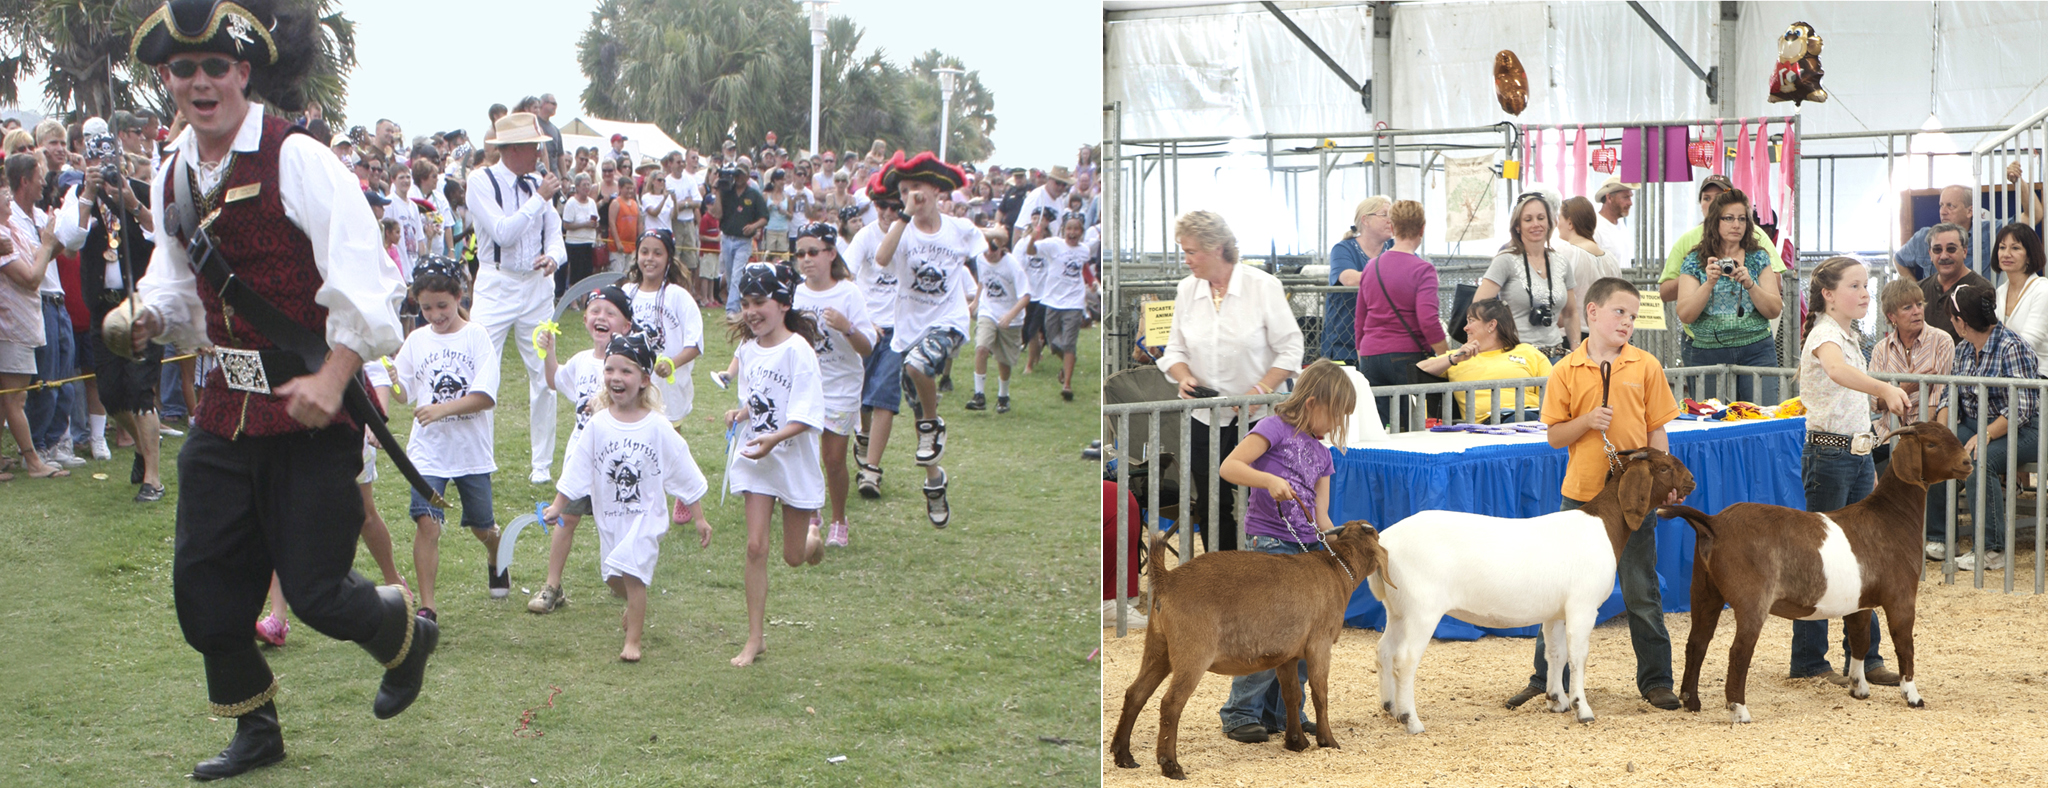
(225, 27)
(922, 167)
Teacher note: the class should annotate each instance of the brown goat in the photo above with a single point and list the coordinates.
(1237, 613)
(1770, 560)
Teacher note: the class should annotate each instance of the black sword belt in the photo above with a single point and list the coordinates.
(295, 342)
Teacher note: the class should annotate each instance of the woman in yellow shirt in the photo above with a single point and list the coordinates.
(1494, 351)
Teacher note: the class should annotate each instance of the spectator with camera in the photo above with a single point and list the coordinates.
(742, 212)
(1727, 295)
(1233, 335)
(1535, 281)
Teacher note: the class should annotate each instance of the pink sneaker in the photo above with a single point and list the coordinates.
(838, 534)
(273, 629)
(677, 515)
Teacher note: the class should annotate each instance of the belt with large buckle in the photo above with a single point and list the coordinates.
(243, 370)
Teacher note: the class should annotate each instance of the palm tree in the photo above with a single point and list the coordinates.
(701, 69)
(973, 109)
(75, 42)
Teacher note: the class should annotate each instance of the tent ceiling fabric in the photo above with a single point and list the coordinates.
(1888, 65)
(645, 139)
(1238, 74)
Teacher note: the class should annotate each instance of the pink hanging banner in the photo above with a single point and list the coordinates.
(1720, 146)
(1578, 163)
(1760, 177)
(1740, 175)
(1528, 158)
(1536, 163)
(1788, 164)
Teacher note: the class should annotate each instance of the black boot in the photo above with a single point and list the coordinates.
(258, 742)
(402, 644)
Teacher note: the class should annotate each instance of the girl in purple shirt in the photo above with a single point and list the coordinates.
(1284, 464)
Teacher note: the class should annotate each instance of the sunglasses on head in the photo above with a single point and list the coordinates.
(213, 66)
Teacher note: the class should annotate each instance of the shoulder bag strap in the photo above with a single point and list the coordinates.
(1420, 345)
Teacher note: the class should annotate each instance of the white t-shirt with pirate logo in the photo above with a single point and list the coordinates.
(1036, 270)
(578, 379)
(1004, 283)
(839, 365)
(436, 368)
(1064, 288)
(776, 386)
(926, 265)
(670, 319)
(877, 283)
(628, 470)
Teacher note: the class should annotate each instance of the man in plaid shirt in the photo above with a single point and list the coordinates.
(1990, 350)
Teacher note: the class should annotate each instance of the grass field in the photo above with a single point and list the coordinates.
(954, 657)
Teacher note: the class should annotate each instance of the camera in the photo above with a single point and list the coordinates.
(726, 177)
(1540, 315)
(1727, 267)
(110, 174)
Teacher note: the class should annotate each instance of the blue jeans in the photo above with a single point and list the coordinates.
(1833, 478)
(1637, 571)
(1761, 353)
(171, 387)
(1256, 697)
(1990, 456)
(49, 410)
(732, 256)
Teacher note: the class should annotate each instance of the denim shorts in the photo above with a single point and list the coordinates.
(882, 384)
(475, 490)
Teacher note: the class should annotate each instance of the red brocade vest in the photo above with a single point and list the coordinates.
(270, 255)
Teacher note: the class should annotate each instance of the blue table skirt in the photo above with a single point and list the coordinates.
(1743, 461)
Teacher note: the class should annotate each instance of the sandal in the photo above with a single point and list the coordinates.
(53, 473)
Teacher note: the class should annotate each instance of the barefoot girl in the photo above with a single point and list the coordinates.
(624, 462)
(781, 406)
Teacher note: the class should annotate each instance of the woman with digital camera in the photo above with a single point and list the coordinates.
(1728, 294)
(1535, 281)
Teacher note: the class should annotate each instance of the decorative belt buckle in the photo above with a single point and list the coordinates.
(1862, 443)
(243, 369)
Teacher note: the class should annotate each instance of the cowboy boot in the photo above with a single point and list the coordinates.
(258, 742)
(402, 644)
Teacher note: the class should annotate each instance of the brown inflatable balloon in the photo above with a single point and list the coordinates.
(1510, 83)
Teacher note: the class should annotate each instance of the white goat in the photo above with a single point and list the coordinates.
(1553, 570)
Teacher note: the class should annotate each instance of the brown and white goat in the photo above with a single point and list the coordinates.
(1811, 566)
(1237, 613)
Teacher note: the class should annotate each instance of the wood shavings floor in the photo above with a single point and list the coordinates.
(1982, 666)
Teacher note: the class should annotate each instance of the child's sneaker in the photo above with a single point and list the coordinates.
(547, 599)
(860, 447)
(935, 502)
(869, 480)
(501, 582)
(1002, 403)
(979, 402)
(931, 441)
(946, 383)
(838, 535)
(681, 513)
(272, 630)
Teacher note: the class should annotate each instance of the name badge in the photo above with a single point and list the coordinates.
(240, 193)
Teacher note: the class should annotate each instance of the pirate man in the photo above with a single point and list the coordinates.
(251, 210)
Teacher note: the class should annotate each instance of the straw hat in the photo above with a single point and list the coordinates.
(518, 128)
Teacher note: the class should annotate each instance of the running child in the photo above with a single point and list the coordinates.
(882, 375)
(928, 253)
(781, 406)
(609, 314)
(1284, 464)
(622, 464)
(840, 310)
(1065, 294)
(665, 312)
(999, 330)
(448, 371)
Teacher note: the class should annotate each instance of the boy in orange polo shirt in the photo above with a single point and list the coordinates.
(1638, 405)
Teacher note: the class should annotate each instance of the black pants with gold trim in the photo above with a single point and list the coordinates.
(246, 507)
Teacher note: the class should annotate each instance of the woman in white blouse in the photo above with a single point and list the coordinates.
(1590, 263)
(2022, 306)
(1233, 333)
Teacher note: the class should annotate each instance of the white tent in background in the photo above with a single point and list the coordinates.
(642, 139)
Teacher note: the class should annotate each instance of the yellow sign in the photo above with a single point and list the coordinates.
(1158, 322)
(1651, 316)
